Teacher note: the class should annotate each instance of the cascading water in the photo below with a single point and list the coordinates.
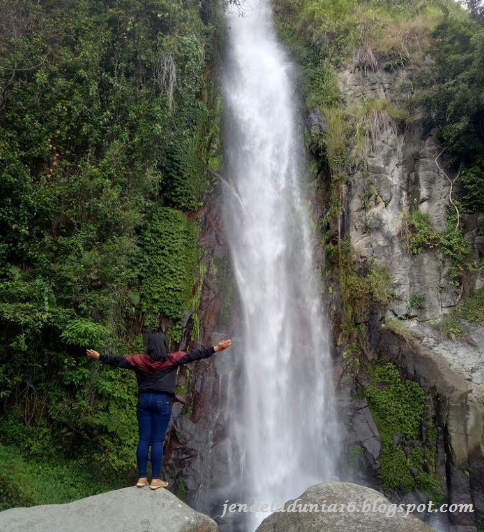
(282, 418)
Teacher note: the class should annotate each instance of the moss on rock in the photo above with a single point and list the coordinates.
(408, 457)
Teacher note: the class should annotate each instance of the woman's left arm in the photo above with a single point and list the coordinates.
(204, 352)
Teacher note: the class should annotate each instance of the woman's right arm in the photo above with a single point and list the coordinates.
(112, 360)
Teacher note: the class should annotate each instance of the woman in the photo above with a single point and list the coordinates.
(156, 375)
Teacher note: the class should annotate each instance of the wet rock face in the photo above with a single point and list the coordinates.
(196, 455)
(341, 493)
(316, 122)
(126, 510)
(366, 431)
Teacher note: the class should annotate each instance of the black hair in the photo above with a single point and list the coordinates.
(157, 346)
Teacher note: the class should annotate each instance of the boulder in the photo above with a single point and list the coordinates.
(125, 510)
(338, 493)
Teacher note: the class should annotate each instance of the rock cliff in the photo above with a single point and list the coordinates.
(406, 172)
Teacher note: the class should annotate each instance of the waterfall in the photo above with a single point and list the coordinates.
(282, 420)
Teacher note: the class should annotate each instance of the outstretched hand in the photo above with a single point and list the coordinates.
(224, 344)
(92, 354)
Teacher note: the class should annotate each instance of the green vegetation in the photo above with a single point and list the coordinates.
(419, 235)
(354, 454)
(374, 283)
(167, 263)
(181, 491)
(471, 311)
(373, 33)
(454, 92)
(108, 121)
(398, 327)
(28, 483)
(452, 327)
(359, 288)
(416, 302)
(398, 408)
(372, 119)
(473, 308)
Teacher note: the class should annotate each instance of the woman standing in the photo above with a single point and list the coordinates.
(156, 376)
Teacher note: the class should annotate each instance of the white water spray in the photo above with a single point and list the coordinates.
(283, 423)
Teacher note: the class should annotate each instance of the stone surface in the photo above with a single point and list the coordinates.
(340, 493)
(465, 354)
(126, 510)
(366, 432)
(397, 174)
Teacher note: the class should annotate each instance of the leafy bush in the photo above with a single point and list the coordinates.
(452, 327)
(418, 233)
(457, 102)
(397, 406)
(85, 333)
(108, 117)
(473, 309)
(32, 482)
(167, 264)
(416, 302)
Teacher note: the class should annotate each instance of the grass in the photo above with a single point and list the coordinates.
(473, 309)
(416, 302)
(28, 483)
(336, 135)
(375, 33)
(452, 327)
(418, 234)
(374, 118)
(398, 327)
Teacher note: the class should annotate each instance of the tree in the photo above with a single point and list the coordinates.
(476, 7)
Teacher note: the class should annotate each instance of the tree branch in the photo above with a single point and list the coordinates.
(451, 186)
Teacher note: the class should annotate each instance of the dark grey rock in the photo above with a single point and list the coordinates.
(316, 121)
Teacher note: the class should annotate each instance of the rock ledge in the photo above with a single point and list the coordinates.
(125, 510)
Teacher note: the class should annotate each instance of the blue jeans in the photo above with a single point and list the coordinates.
(154, 412)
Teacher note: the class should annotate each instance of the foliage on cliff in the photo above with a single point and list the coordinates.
(107, 124)
(408, 452)
(456, 98)
(372, 35)
(441, 46)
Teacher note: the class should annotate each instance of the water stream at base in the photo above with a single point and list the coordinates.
(282, 420)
